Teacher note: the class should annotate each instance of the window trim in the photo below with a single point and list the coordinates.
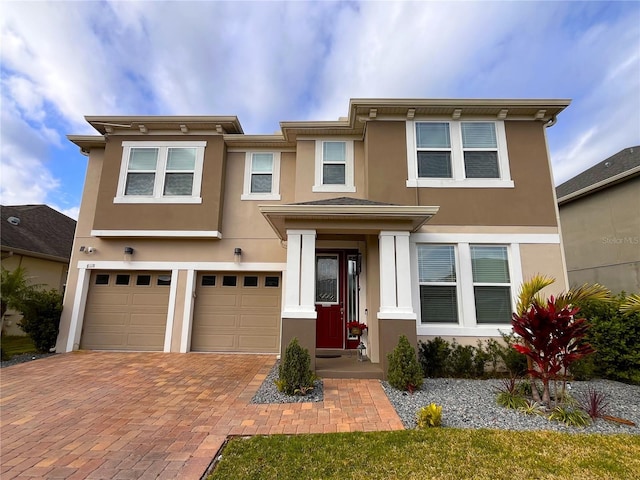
(247, 194)
(467, 324)
(458, 179)
(349, 185)
(160, 172)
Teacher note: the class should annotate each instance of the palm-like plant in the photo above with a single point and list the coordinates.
(631, 304)
(549, 329)
(14, 285)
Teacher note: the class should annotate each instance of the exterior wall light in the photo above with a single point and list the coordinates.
(128, 250)
(237, 254)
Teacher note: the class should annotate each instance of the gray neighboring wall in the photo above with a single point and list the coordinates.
(600, 218)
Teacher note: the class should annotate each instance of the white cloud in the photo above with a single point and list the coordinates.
(273, 61)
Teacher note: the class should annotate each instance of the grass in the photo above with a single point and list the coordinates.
(432, 454)
(15, 345)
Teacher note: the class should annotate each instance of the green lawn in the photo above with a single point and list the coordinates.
(16, 345)
(440, 453)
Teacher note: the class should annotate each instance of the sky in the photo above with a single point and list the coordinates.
(268, 62)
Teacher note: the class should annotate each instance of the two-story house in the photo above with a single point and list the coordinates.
(414, 216)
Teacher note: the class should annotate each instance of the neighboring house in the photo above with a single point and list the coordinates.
(600, 219)
(39, 239)
(416, 217)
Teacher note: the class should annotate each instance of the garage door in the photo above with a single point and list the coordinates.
(237, 312)
(126, 311)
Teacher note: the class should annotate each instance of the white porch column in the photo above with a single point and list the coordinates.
(300, 287)
(395, 276)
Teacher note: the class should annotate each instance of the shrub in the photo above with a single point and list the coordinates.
(570, 416)
(616, 338)
(509, 395)
(594, 403)
(584, 368)
(404, 371)
(434, 355)
(295, 375)
(41, 311)
(461, 360)
(429, 416)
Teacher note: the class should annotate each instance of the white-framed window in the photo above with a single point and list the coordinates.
(464, 284)
(334, 166)
(491, 283)
(437, 276)
(160, 172)
(453, 153)
(261, 176)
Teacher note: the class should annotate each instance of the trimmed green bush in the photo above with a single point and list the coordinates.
(41, 311)
(434, 355)
(404, 370)
(615, 337)
(295, 375)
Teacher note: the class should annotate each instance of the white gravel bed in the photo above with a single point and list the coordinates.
(268, 392)
(472, 404)
(23, 358)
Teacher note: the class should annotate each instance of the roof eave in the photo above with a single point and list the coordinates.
(608, 182)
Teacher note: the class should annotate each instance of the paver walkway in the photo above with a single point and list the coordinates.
(108, 415)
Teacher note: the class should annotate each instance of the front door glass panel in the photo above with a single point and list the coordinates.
(327, 279)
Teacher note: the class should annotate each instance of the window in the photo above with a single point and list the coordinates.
(438, 285)
(262, 176)
(491, 284)
(480, 148)
(433, 143)
(229, 281)
(164, 280)
(143, 280)
(334, 166)
(271, 282)
(161, 172)
(102, 279)
(122, 279)
(457, 154)
(250, 281)
(208, 281)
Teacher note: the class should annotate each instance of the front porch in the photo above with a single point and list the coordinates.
(338, 363)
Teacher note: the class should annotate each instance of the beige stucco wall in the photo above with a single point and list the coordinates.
(46, 273)
(601, 235)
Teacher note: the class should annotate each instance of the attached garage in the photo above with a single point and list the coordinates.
(126, 311)
(237, 312)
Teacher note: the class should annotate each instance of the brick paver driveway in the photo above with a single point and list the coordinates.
(156, 415)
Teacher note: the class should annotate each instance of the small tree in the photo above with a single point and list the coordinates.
(552, 340)
(404, 370)
(295, 375)
(41, 311)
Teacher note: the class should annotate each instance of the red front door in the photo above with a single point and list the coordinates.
(330, 326)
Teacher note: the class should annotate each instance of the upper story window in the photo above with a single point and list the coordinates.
(261, 176)
(457, 154)
(334, 166)
(160, 172)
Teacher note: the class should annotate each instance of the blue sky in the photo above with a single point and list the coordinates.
(271, 61)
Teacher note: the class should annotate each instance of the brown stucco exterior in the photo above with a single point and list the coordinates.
(526, 210)
(206, 216)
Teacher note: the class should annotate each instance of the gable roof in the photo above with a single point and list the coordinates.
(41, 231)
(619, 167)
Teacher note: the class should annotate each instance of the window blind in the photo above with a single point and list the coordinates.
(479, 135)
(489, 264)
(436, 263)
(432, 135)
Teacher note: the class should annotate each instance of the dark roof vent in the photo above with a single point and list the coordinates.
(13, 221)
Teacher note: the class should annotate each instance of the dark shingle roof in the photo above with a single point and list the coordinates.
(342, 201)
(619, 163)
(41, 230)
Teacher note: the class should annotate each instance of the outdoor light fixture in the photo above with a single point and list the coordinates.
(128, 250)
(361, 349)
(237, 254)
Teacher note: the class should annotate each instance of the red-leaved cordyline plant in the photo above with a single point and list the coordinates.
(552, 340)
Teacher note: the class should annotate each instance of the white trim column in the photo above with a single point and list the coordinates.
(77, 315)
(395, 276)
(301, 275)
